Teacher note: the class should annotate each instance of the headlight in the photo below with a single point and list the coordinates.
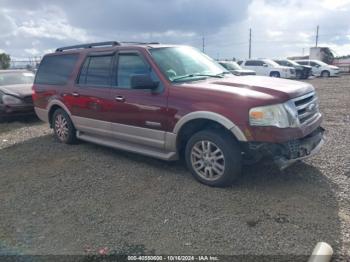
(11, 100)
(280, 115)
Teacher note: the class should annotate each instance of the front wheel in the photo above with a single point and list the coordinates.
(213, 157)
(275, 74)
(63, 127)
(325, 74)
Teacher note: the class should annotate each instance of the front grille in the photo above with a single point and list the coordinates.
(307, 107)
(28, 99)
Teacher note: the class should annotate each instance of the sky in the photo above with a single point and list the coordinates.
(280, 28)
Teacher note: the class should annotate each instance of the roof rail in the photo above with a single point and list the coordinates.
(140, 43)
(91, 45)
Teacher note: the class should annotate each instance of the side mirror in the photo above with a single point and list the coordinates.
(143, 82)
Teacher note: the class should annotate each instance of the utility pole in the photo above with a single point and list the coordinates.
(303, 50)
(250, 43)
(203, 44)
(317, 35)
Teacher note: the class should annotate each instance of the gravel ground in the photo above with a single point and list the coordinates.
(59, 199)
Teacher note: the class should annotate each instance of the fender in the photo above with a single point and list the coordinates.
(237, 132)
(43, 114)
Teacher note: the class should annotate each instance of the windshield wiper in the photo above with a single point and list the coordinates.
(196, 75)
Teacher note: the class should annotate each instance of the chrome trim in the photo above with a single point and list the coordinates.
(303, 106)
(210, 116)
(43, 114)
(153, 124)
(304, 96)
(315, 111)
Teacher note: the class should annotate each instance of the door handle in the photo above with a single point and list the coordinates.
(120, 98)
(75, 94)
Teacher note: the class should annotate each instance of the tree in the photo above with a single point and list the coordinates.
(4, 61)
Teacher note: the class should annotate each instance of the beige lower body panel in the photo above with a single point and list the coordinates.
(151, 142)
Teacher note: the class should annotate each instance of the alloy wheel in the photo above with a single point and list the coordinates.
(61, 127)
(208, 160)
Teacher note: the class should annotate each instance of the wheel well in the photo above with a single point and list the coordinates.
(274, 72)
(326, 72)
(195, 126)
(51, 112)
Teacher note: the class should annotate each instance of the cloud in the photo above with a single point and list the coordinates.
(280, 27)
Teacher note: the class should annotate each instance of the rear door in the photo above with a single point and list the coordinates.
(90, 98)
(137, 116)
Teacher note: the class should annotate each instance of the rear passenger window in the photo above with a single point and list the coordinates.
(55, 69)
(128, 65)
(96, 71)
(253, 63)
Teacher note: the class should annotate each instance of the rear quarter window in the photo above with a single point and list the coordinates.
(56, 69)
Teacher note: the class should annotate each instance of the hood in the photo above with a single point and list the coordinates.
(21, 90)
(334, 67)
(267, 89)
(306, 66)
(284, 67)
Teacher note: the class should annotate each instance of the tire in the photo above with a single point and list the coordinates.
(63, 127)
(275, 74)
(220, 172)
(325, 73)
(298, 75)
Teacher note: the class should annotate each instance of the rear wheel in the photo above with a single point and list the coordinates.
(325, 74)
(275, 74)
(63, 127)
(213, 157)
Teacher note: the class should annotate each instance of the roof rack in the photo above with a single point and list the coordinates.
(140, 43)
(91, 45)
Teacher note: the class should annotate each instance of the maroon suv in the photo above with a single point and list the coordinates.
(168, 101)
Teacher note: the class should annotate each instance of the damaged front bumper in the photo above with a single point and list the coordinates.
(285, 154)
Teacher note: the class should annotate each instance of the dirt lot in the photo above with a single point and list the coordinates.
(59, 199)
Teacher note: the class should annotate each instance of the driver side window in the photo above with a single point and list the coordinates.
(128, 65)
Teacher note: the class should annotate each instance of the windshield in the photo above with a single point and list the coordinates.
(320, 63)
(185, 63)
(230, 65)
(293, 62)
(271, 62)
(16, 78)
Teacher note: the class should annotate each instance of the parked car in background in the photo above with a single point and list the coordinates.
(236, 69)
(16, 93)
(301, 71)
(167, 101)
(320, 68)
(267, 67)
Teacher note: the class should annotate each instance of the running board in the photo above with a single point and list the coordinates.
(127, 146)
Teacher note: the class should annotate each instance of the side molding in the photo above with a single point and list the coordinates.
(211, 116)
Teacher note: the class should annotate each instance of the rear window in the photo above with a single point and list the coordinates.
(55, 70)
(16, 78)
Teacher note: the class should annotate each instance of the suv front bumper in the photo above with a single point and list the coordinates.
(285, 154)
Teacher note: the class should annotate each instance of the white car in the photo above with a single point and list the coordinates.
(268, 67)
(320, 68)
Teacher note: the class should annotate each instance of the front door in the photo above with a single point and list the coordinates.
(137, 116)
